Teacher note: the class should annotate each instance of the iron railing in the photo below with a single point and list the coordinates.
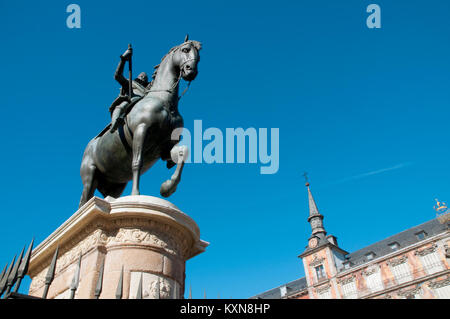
(12, 275)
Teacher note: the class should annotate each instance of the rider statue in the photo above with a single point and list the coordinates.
(120, 105)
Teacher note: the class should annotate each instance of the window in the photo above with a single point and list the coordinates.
(442, 292)
(394, 246)
(283, 291)
(320, 272)
(401, 272)
(374, 282)
(431, 263)
(421, 235)
(370, 256)
(349, 290)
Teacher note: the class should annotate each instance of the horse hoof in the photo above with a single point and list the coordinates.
(167, 188)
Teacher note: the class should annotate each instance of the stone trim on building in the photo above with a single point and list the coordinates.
(323, 288)
(439, 283)
(426, 251)
(317, 261)
(346, 280)
(397, 261)
(417, 290)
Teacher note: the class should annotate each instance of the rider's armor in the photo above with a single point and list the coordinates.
(120, 105)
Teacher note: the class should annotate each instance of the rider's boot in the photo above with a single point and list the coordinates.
(117, 119)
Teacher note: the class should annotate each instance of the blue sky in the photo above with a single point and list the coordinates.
(364, 111)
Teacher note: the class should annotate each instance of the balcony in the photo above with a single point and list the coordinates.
(402, 280)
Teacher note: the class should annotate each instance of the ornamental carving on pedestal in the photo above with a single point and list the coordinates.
(158, 289)
(98, 237)
(426, 251)
(150, 232)
(139, 236)
(397, 261)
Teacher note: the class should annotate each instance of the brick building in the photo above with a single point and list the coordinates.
(413, 264)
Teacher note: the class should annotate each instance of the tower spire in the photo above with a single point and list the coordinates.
(314, 218)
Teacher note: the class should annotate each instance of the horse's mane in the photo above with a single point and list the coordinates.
(196, 45)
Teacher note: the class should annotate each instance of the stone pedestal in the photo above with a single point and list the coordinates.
(150, 238)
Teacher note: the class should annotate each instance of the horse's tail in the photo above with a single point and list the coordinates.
(108, 188)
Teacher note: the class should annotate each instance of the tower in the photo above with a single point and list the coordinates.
(322, 257)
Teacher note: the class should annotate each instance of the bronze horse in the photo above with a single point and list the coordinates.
(111, 160)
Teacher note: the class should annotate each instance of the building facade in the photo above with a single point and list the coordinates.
(413, 264)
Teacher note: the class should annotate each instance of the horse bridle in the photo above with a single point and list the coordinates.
(177, 81)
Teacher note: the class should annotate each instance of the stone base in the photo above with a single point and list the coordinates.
(148, 236)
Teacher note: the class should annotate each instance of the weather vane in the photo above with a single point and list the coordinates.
(440, 207)
(305, 175)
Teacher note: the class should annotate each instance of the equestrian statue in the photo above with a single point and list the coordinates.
(144, 118)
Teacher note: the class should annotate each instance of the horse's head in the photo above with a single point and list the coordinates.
(186, 57)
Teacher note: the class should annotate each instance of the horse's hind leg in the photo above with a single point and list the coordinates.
(88, 172)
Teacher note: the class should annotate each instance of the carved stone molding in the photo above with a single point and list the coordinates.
(69, 257)
(426, 251)
(447, 251)
(323, 288)
(347, 280)
(154, 286)
(316, 261)
(370, 270)
(148, 237)
(410, 292)
(397, 261)
(439, 283)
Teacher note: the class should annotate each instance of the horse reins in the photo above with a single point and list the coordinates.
(177, 81)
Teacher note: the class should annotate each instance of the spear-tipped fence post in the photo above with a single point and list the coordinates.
(119, 286)
(50, 273)
(4, 280)
(3, 272)
(13, 275)
(75, 280)
(98, 288)
(23, 269)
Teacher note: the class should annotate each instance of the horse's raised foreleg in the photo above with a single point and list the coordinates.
(179, 155)
(138, 142)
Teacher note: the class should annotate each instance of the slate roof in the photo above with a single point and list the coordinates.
(275, 293)
(404, 239)
(359, 257)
